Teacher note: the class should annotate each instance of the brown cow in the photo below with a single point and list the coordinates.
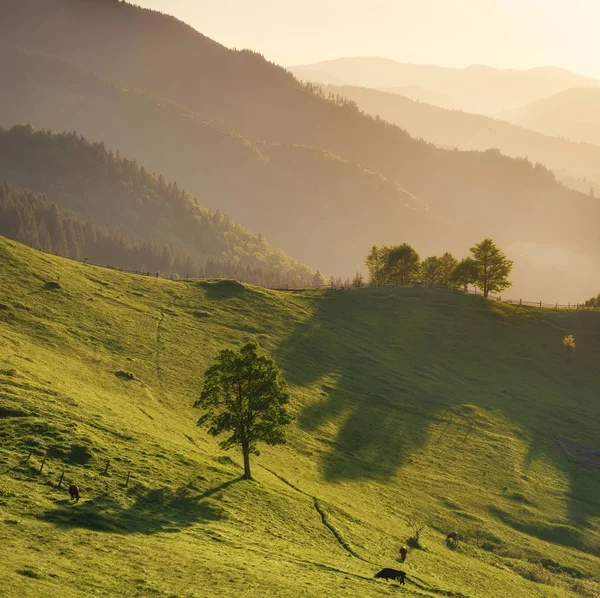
(74, 492)
(403, 552)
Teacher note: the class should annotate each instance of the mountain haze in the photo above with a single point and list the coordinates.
(573, 114)
(576, 164)
(260, 185)
(470, 194)
(477, 88)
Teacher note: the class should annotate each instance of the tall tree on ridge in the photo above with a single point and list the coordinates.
(493, 267)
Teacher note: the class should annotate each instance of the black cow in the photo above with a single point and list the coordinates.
(74, 492)
(388, 573)
(453, 536)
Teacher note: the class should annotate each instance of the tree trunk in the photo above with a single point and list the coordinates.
(247, 474)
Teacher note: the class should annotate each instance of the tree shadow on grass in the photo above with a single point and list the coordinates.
(153, 511)
(368, 349)
(367, 392)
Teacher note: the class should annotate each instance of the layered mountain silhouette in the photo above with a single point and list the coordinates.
(315, 175)
(476, 88)
(572, 114)
(576, 164)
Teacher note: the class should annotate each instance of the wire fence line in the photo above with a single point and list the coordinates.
(540, 304)
(348, 287)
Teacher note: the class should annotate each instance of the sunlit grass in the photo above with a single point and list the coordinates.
(364, 447)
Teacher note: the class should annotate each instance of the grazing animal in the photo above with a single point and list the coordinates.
(453, 536)
(403, 552)
(388, 573)
(74, 492)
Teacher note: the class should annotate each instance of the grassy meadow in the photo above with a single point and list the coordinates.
(406, 402)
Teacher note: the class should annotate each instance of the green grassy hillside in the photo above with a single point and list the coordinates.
(104, 366)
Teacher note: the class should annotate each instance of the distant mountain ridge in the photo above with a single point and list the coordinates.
(572, 114)
(576, 164)
(475, 88)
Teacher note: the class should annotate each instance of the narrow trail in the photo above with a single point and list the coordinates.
(158, 341)
(324, 518)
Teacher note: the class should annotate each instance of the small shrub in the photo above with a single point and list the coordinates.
(569, 343)
(123, 375)
(27, 572)
(52, 285)
(534, 572)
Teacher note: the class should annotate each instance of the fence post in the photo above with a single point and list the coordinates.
(520, 301)
(127, 480)
(42, 465)
(556, 306)
(540, 304)
(106, 468)
(29, 456)
(62, 475)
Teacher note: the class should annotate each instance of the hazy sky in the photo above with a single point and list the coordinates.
(501, 33)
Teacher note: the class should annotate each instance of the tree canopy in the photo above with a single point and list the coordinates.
(493, 267)
(245, 396)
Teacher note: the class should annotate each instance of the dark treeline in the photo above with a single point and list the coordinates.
(119, 195)
(32, 219)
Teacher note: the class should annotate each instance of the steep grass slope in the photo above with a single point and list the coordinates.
(103, 367)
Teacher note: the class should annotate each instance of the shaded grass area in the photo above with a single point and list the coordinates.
(164, 510)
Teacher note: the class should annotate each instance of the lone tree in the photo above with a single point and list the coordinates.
(245, 395)
(493, 267)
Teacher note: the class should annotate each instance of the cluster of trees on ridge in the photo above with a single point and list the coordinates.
(30, 218)
(487, 268)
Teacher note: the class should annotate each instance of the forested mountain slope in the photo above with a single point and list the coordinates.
(119, 195)
(329, 509)
(295, 196)
(32, 219)
(573, 163)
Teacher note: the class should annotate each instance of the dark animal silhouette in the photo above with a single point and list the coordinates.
(388, 573)
(403, 552)
(453, 536)
(74, 492)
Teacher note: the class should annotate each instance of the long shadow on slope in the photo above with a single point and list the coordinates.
(368, 349)
(153, 511)
(364, 387)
